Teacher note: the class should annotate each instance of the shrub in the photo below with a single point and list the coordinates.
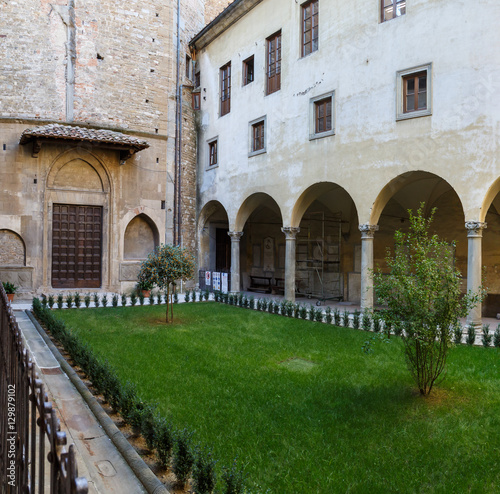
(183, 455)
(276, 307)
(230, 299)
(204, 472)
(496, 337)
(128, 400)
(124, 299)
(96, 299)
(151, 298)
(86, 300)
(51, 301)
(336, 316)
(398, 328)
(251, 303)
(296, 310)
(264, 304)
(366, 322)
(225, 297)
(114, 300)
(164, 442)
(60, 301)
(69, 301)
(318, 316)
(303, 312)
(176, 297)
(159, 298)
(457, 332)
(141, 297)
(44, 301)
(149, 422)
(377, 326)
(270, 306)
(487, 337)
(345, 319)
(133, 298)
(356, 319)
(470, 338)
(104, 300)
(186, 295)
(328, 315)
(240, 299)
(78, 300)
(234, 479)
(387, 328)
(311, 313)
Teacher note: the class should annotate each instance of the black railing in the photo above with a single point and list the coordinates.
(33, 454)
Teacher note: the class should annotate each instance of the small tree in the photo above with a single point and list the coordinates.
(163, 267)
(422, 292)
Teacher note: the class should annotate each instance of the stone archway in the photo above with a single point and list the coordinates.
(76, 222)
(140, 238)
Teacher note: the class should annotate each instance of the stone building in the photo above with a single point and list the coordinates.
(322, 122)
(97, 149)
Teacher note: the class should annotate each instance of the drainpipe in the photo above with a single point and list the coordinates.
(177, 164)
(179, 168)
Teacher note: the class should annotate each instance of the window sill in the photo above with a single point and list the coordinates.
(413, 114)
(255, 153)
(211, 167)
(320, 135)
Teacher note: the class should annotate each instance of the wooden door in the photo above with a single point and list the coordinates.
(76, 246)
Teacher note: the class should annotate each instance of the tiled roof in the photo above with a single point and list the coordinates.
(66, 132)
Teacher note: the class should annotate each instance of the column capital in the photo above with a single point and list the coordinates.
(290, 232)
(475, 228)
(235, 236)
(367, 230)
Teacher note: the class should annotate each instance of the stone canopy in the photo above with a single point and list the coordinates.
(127, 145)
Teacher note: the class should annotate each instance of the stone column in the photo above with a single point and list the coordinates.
(235, 261)
(290, 235)
(367, 234)
(475, 235)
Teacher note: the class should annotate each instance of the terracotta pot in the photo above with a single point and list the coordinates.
(146, 293)
(10, 296)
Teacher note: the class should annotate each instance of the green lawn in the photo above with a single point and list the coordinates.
(301, 405)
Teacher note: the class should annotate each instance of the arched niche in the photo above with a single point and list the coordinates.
(12, 249)
(140, 238)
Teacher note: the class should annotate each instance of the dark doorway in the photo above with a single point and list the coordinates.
(222, 250)
(76, 246)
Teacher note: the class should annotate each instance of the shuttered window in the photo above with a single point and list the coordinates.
(273, 63)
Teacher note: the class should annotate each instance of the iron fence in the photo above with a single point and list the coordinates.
(33, 453)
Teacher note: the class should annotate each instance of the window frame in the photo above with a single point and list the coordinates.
(245, 71)
(303, 31)
(214, 141)
(196, 100)
(313, 134)
(271, 85)
(251, 136)
(225, 90)
(394, 6)
(401, 77)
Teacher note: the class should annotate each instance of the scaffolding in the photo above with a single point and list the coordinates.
(318, 255)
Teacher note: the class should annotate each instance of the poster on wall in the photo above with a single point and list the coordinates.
(208, 278)
(223, 282)
(216, 281)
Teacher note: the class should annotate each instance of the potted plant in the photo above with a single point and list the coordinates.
(145, 287)
(10, 290)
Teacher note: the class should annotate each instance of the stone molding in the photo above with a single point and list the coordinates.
(475, 228)
(290, 232)
(368, 231)
(235, 236)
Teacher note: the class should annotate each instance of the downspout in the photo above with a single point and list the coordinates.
(179, 178)
(177, 146)
(71, 60)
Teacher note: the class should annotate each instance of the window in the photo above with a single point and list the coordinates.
(310, 27)
(392, 8)
(212, 153)
(188, 66)
(197, 79)
(414, 92)
(321, 116)
(257, 136)
(273, 63)
(225, 89)
(196, 100)
(248, 73)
